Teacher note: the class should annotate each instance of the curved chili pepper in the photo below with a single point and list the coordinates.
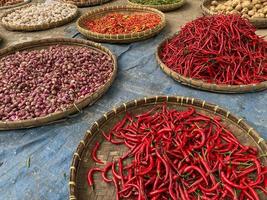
(198, 170)
(90, 175)
(94, 157)
(147, 169)
(225, 180)
(105, 171)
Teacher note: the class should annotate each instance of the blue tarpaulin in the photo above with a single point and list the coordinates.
(34, 163)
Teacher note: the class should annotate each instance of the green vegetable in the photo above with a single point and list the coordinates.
(155, 2)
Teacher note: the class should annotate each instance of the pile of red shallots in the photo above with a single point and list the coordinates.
(180, 155)
(39, 82)
(221, 49)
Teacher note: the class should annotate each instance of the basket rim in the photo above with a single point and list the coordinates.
(77, 105)
(164, 7)
(199, 84)
(120, 37)
(38, 27)
(86, 3)
(189, 101)
(258, 22)
(15, 5)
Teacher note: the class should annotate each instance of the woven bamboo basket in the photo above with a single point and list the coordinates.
(199, 84)
(15, 5)
(119, 38)
(257, 22)
(86, 3)
(78, 105)
(82, 161)
(44, 26)
(163, 8)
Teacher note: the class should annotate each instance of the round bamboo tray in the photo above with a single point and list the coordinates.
(44, 26)
(78, 105)
(82, 161)
(163, 8)
(199, 84)
(119, 38)
(86, 3)
(257, 22)
(15, 5)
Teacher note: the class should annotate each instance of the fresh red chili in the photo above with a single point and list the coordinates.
(207, 49)
(94, 157)
(181, 155)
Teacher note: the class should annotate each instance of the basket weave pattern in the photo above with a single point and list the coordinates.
(199, 84)
(82, 161)
(38, 27)
(163, 8)
(85, 3)
(119, 38)
(78, 105)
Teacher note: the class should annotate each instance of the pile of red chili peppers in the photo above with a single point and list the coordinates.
(221, 49)
(180, 155)
(119, 23)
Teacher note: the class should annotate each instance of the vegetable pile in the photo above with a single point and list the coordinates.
(180, 155)
(221, 49)
(246, 8)
(9, 2)
(155, 2)
(39, 82)
(119, 23)
(40, 13)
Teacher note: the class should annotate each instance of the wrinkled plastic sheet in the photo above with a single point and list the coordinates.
(34, 163)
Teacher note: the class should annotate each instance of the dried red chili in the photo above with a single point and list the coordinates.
(120, 23)
(222, 49)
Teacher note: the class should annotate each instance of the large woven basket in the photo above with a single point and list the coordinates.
(119, 38)
(163, 8)
(44, 26)
(199, 84)
(15, 5)
(82, 161)
(78, 105)
(86, 3)
(257, 22)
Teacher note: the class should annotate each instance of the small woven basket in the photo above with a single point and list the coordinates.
(82, 161)
(15, 5)
(78, 105)
(199, 84)
(86, 3)
(119, 38)
(163, 8)
(44, 26)
(257, 22)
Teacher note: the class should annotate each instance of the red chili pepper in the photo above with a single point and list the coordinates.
(94, 157)
(119, 23)
(198, 170)
(90, 175)
(105, 171)
(182, 155)
(221, 49)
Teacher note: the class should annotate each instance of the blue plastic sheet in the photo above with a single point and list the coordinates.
(34, 163)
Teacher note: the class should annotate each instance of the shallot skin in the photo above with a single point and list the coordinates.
(39, 82)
